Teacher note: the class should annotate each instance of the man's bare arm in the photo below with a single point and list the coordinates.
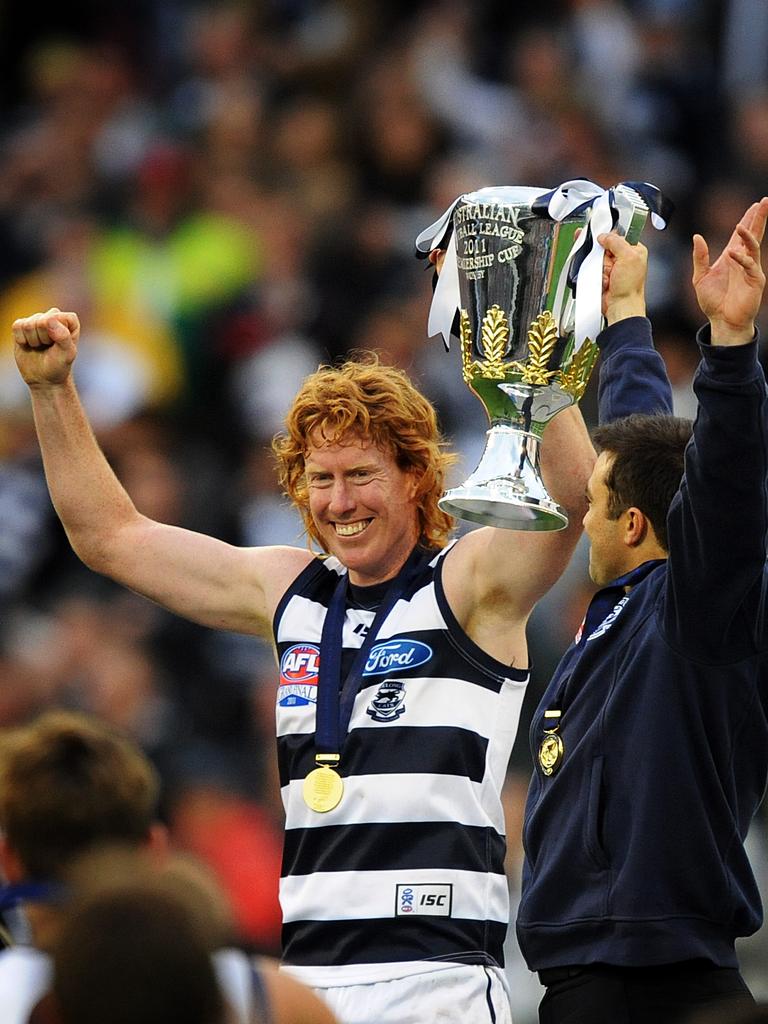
(196, 576)
(494, 577)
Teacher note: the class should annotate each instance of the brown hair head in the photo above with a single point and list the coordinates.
(137, 952)
(68, 782)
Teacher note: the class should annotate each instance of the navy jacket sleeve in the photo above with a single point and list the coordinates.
(633, 377)
(718, 521)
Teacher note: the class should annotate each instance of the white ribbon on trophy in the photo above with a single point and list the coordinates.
(580, 312)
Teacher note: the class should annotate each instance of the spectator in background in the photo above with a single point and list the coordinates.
(70, 786)
(134, 363)
(66, 783)
(134, 955)
(241, 844)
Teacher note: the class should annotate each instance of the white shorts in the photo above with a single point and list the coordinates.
(464, 994)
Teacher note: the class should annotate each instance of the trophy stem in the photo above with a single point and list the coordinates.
(506, 489)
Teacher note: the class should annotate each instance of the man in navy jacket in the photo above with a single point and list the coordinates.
(651, 741)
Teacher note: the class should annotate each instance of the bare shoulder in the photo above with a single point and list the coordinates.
(277, 567)
(283, 561)
(290, 1001)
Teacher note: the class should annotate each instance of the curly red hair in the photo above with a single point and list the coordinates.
(366, 398)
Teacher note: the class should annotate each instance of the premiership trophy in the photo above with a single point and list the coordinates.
(521, 287)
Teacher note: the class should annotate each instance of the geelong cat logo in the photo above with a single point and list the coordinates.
(299, 667)
(389, 702)
(395, 656)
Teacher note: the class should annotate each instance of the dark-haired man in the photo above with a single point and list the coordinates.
(651, 742)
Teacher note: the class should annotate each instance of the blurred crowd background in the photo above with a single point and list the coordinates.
(228, 194)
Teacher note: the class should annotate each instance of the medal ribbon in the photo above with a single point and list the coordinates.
(334, 700)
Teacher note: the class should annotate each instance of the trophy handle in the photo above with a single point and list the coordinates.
(633, 213)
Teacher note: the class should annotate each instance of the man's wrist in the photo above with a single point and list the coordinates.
(623, 309)
(727, 334)
(51, 388)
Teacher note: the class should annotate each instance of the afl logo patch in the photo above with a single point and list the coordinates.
(300, 664)
(299, 667)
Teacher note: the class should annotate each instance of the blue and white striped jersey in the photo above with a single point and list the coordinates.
(407, 872)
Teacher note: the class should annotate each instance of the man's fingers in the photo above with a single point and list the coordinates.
(747, 262)
(755, 219)
(57, 329)
(33, 332)
(750, 242)
(45, 329)
(761, 219)
(613, 243)
(700, 257)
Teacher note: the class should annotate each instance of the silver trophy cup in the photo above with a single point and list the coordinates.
(519, 351)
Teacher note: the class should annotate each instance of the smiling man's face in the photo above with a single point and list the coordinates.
(363, 506)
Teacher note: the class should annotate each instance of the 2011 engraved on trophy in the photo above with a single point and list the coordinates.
(514, 279)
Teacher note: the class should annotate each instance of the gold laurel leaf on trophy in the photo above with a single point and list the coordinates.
(542, 338)
(494, 334)
(575, 377)
(468, 365)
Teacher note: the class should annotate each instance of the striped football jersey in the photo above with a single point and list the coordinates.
(409, 867)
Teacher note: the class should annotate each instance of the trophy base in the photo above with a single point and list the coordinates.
(506, 511)
(493, 496)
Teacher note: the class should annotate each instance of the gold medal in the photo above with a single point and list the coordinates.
(550, 753)
(323, 789)
(551, 749)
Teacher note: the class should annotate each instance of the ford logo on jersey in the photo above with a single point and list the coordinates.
(396, 655)
(299, 667)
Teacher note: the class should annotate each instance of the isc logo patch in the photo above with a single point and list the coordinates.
(299, 667)
(425, 900)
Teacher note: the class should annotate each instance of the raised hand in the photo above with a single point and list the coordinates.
(729, 291)
(45, 346)
(625, 268)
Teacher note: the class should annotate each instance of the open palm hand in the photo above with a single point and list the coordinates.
(729, 291)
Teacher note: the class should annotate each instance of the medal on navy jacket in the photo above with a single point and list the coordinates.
(323, 787)
(551, 749)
